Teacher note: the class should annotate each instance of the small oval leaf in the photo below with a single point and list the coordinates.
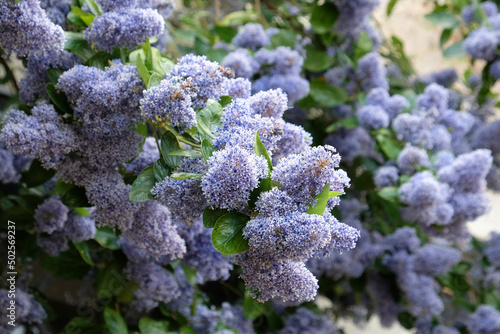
(227, 236)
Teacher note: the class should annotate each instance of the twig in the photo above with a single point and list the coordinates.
(9, 72)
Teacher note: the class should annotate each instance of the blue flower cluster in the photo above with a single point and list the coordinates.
(270, 68)
(26, 29)
(123, 25)
(209, 320)
(27, 309)
(55, 224)
(415, 268)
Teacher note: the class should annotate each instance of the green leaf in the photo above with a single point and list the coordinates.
(226, 34)
(141, 188)
(54, 73)
(110, 281)
(148, 61)
(160, 170)
(389, 193)
(389, 145)
(209, 119)
(227, 235)
(76, 198)
(141, 128)
(324, 17)
(238, 18)
(36, 175)
(317, 61)
(76, 20)
(445, 37)
(101, 60)
(76, 43)
(154, 80)
(143, 71)
(284, 38)
(363, 45)
(190, 274)
(62, 187)
(261, 150)
(169, 143)
(82, 325)
(327, 95)
(186, 153)
(252, 309)
(150, 326)
(184, 176)
(66, 265)
(83, 249)
(390, 7)
(106, 238)
(225, 100)
(407, 320)
(321, 201)
(207, 149)
(443, 20)
(210, 216)
(93, 7)
(58, 98)
(346, 123)
(127, 293)
(216, 55)
(455, 50)
(87, 18)
(187, 330)
(114, 321)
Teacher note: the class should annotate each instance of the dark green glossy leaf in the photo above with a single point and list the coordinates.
(160, 170)
(216, 54)
(389, 145)
(114, 321)
(209, 119)
(225, 100)
(54, 73)
(327, 95)
(187, 153)
(252, 309)
(324, 17)
(207, 149)
(83, 249)
(363, 45)
(210, 216)
(36, 174)
(76, 198)
(107, 238)
(227, 235)
(150, 326)
(261, 150)
(126, 295)
(76, 20)
(321, 201)
(110, 281)
(317, 60)
(100, 60)
(58, 98)
(445, 37)
(66, 265)
(226, 34)
(169, 143)
(82, 325)
(141, 188)
(143, 71)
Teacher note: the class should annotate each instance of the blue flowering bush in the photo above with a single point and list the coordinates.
(261, 168)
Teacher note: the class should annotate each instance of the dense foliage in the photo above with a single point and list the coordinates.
(261, 167)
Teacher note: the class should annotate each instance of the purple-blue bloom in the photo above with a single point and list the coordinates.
(481, 44)
(232, 174)
(51, 215)
(251, 36)
(386, 176)
(411, 158)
